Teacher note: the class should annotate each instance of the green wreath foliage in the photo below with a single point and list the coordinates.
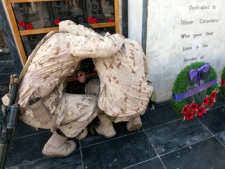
(183, 84)
(222, 88)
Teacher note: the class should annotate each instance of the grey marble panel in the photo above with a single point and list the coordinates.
(73, 161)
(27, 149)
(5, 57)
(4, 78)
(219, 114)
(2, 65)
(176, 135)
(118, 153)
(162, 114)
(208, 154)
(9, 68)
(153, 163)
(214, 120)
(4, 88)
(22, 130)
(221, 137)
(220, 101)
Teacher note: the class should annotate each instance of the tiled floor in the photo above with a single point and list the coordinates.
(164, 142)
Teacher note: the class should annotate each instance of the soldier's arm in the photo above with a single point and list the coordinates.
(93, 47)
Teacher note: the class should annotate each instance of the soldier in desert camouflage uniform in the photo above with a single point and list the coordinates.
(123, 89)
(54, 59)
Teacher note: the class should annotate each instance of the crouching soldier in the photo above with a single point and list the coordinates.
(122, 89)
(41, 98)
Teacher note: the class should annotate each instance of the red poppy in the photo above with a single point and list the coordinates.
(21, 23)
(194, 106)
(201, 111)
(213, 95)
(222, 82)
(189, 115)
(94, 20)
(206, 101)
(90, 20)
(211, 102)
(185, 109)
(57, 22)
(110, 20)
(29, 27)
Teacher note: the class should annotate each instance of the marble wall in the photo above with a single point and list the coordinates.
(180, 33)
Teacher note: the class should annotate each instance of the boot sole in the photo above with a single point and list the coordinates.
(50, 155)
(106, 136)
(82, 135)
(136, 126)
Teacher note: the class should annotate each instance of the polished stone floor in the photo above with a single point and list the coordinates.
(165, 141)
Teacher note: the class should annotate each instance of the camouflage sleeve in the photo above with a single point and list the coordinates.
(92, 47)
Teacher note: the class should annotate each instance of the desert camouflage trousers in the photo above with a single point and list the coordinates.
(73, 113)
(93, 88)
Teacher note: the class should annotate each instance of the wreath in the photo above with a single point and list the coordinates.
(194, 90)
(222, 87)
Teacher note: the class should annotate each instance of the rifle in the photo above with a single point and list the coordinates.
(9, 120)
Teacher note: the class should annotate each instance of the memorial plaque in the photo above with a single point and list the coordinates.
(31, 41)
(99, 11)
(103, 31)
(69, 10)
(180, 33)
(33, 15)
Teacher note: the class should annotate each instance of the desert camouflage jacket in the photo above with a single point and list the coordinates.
(57, 56)
(124, 90)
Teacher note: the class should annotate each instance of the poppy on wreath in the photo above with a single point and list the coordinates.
(201, 111)
(194, 106)
(185, 109)
(189, 115)
(214, 94)
(206, 101)
(212, 102)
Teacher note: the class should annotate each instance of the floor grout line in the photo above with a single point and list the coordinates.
(140, 162)
(157, 155)
(186, 146)
(162, 124)
(212, 135)
(81, 155)
(41, 132)
(205, 127)
(113, 139)
(16, 166)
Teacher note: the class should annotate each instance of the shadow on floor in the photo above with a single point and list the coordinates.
(164, 142)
